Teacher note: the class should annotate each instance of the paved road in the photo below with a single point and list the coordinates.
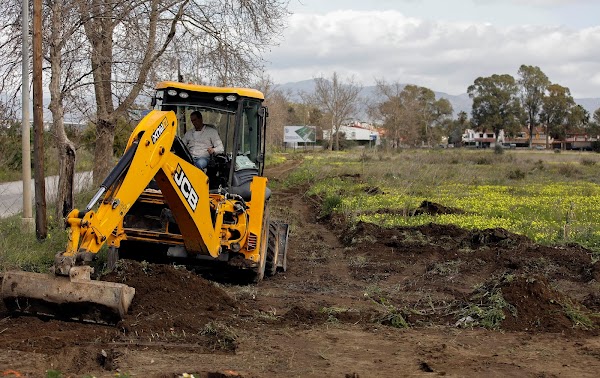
(11, 193)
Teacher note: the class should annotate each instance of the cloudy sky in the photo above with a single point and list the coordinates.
(441, 44)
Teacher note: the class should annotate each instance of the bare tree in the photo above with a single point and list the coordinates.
(67, 72)
(337, 98)
(128, 38)
(63, 59)
(278, 103)
(390, 111)
(108, 25)
(10, 49)
(121, 47)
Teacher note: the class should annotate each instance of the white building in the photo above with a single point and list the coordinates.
(482, 139)
(360, 132)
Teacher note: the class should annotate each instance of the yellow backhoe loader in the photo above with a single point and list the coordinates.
(156, 203)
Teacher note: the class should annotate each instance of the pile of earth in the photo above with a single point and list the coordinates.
(446, 275)
(171, 305)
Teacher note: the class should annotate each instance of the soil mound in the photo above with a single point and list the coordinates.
(433, 208)
(171, 305)
(170, 298)
(548, 290)
(535, 306)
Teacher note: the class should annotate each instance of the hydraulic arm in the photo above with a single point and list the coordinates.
(199, 214)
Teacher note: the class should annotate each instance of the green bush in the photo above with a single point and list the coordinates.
(11, 146)
(330, 203)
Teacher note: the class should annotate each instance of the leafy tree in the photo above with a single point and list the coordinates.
(496, 105)
(579, 119)
(594, 125)
(411, 113)
(457, 127)
(432, 112)
(597, 116)
(533, 83)
(556, 110)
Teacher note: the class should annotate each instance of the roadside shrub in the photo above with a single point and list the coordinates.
(330, 203)
(10, 144)
(483, 160)
(516, 174)
(122, 133)
(568, 170)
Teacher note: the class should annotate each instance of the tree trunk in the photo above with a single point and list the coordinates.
(531, 127)
(99, 30)
(41, 221)
(105, 111)
(66, 150)
(103, 153)
(64, 196)
(331, 136)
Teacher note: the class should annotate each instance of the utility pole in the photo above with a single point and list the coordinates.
(41, 224)
(27, 219)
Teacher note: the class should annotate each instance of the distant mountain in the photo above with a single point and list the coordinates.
(460, 102)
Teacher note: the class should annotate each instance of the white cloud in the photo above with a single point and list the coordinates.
(442, 55)
(545, 2)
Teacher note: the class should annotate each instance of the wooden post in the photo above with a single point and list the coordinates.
(41, 224)
(27, 219)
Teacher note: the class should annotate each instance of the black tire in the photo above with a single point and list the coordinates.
(272, 252)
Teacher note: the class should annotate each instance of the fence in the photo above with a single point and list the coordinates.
(11, 193)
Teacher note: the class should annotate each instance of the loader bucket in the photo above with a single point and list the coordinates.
(74, 298)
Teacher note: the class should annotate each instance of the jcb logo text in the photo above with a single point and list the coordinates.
(159, 130)
(184, 185)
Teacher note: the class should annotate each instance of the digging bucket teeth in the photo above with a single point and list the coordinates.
(76, 297)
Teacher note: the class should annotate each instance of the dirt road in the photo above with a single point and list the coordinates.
(355, 302)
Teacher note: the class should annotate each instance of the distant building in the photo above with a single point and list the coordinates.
(521, 139)
(486, 139)
(360, 132)
(576, 141)
(481, 139)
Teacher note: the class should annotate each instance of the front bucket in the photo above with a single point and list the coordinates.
(68, 298)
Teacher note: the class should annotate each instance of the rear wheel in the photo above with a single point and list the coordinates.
(272, 252)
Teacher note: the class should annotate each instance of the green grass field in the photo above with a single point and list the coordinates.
(549, 197)
(552, 198)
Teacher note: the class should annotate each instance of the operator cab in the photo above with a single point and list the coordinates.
(240, 119)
